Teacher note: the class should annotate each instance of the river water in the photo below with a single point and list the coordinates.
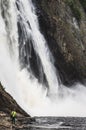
(55, 123)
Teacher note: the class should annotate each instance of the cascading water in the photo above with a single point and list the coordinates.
(20, 33)
(32, 32)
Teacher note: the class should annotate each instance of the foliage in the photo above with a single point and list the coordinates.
(75, 9)
(83, 3)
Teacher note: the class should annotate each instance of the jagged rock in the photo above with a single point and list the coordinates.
(65, 31)
(7, 103)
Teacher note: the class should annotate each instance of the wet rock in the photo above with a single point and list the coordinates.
(21, 122)
(66, 37)
(42, 123)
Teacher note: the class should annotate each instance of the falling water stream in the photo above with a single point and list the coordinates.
(36, 98)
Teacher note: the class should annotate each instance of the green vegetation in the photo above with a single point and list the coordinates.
(75, 9)
(83, 3)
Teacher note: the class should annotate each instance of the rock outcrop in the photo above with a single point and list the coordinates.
(63, 23)
(21, 123)
(7, 103)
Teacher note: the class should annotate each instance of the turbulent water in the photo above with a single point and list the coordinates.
(20, 36)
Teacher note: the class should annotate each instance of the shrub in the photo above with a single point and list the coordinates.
(83, 3)
(75, 9)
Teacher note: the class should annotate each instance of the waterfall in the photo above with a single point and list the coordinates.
(19, 34)
(27, 15)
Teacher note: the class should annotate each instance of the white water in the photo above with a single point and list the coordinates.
(27, 12)
(31, 95)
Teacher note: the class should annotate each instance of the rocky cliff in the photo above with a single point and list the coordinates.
(7, 103)
(63, 23)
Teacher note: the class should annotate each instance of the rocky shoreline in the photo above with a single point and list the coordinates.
(7, 104)
(42, 123)
(21, 122)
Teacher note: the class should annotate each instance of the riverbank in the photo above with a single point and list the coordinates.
(42, 123)
(21, 122)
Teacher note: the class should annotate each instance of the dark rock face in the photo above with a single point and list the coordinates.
(66, 37)
(28, 57)
(7, 103)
